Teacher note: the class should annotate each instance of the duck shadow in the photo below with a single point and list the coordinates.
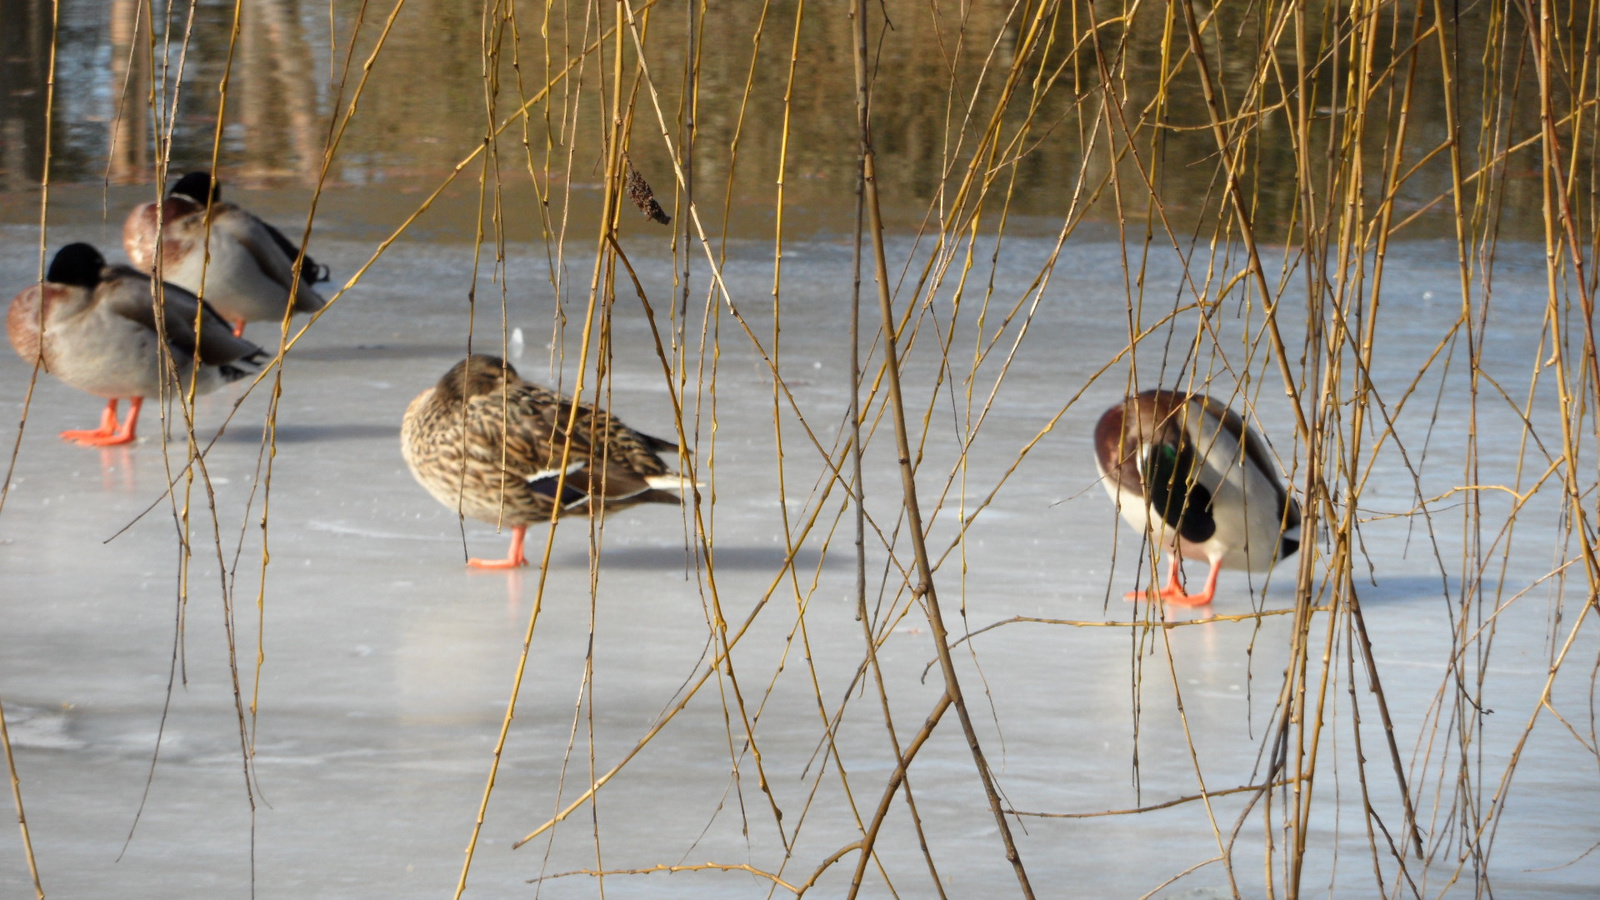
(387, 351)
(749, 559)
(1405, 588)
(1388, 589)
(304, 434)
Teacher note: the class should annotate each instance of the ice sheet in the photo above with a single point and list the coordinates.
(387, 666)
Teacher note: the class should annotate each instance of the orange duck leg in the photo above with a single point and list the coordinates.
(514, 558)
(108, 434)
(1174, 595)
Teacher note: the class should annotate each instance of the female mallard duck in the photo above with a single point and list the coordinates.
(250, 275)
(1189, 470)
(490, 445)
(94, 327)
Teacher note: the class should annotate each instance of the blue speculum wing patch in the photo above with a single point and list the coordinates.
(1183, 503)
(546, 485)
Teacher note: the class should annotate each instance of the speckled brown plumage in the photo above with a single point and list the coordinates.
(486, 442)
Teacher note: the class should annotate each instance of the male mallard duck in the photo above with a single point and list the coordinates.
(94, 326)
(512, 434)
(1189, 469)
(251, 270)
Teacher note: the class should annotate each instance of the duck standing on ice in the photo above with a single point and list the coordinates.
(1189, 472)
(250, 275)
(487, 443)
(93, 326)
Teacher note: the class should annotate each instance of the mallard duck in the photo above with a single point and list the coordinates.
(251, 270)
(94, 327)
(488, 444)
(1190, 471)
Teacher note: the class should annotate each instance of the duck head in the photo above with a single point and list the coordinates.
(76, 264)
(477, 374)
(197, 186)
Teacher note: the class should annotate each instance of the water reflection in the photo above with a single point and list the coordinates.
(117, 471)
(24, 70)
(129, 137)
(938, 76)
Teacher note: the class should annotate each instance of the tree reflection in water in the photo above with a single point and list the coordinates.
(424, 107)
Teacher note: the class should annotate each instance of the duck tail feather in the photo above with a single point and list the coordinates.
(674, 483)
(1289, 542)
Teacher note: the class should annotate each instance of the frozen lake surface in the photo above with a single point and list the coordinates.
(387, 666)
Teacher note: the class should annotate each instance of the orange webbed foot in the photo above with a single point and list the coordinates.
(107, 435)
(514, 558)
(88, 436)
(510, 562)
(1179, 598)
(98, 438)
(1168, 596)
(1174, 594)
